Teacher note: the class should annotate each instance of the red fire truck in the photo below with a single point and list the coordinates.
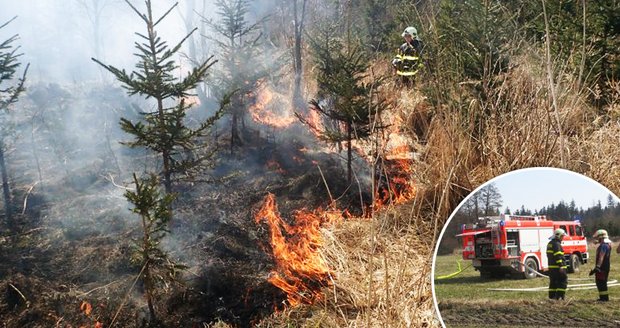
(504, 244)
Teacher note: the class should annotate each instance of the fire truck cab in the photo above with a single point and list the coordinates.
(516, 244)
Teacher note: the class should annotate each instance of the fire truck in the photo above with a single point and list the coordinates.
(510, 244)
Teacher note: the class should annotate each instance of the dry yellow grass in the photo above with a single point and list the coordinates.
(382, 266)
(381, 275)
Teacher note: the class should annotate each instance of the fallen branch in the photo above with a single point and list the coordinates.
(28, 194)
(100, 287)
(20, 294)
(120, 307)
(331, 199)
(110, 178)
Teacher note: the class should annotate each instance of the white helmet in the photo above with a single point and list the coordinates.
(559, 232)
(601, 233)
(411, 31)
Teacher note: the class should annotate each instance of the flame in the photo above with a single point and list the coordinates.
(264, 110)
(399, 186)
(300, 269)
(273, 165)
(298, 159)
(86, 308)
(315, 122)
(191, 101)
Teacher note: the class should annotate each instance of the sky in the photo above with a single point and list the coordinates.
(57, 37)
(538, 187)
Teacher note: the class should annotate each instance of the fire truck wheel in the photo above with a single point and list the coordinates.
(530, 264)
(574, 263)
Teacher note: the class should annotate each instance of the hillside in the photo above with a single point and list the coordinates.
(310, 182)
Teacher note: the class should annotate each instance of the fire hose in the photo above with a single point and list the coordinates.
(454, 274)
(545, 276)
(592, 285)
(611, 283)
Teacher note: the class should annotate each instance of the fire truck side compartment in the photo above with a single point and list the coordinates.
(484, 246)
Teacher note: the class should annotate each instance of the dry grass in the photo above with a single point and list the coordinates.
(382, 266)
(381, 275)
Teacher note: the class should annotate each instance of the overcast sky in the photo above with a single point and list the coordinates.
(538, 187)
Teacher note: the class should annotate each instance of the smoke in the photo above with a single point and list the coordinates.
(69, 170)
(59, 38)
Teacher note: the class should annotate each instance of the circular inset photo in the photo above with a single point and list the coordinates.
(531, 248)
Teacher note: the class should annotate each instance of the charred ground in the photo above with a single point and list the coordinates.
(74, 239)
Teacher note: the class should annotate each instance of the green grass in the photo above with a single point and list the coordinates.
(469, 285)
(465, 300)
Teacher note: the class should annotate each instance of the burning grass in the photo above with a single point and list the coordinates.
(380, 275)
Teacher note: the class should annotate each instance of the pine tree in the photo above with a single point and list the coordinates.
(8, 96)
(352, 102)
(154, 211)
(239, 42)
(164, 130)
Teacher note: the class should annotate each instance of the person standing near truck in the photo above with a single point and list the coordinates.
(602, 264)
(558, 279)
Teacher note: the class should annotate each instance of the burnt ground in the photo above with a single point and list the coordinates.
(535, 313)
(73, 244)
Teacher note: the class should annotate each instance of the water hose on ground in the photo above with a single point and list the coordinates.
(545, 276)
(454, 274)
(611, 283)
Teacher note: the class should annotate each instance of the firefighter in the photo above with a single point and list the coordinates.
(557, 268)
(601, 270)
(407, 61)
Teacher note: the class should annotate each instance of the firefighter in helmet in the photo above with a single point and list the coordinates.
(601, 270)
(557, 268)
(407, 61)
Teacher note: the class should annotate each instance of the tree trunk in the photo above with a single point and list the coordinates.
(298, 101)
(148, 288)
(234, 133)
(167, 173)
(190, 11)
(5, 188)
(349, 152)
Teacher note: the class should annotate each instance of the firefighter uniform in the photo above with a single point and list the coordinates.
(558, 280)
(407, 61)
(602, 274)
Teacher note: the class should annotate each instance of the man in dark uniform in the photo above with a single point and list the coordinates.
(407, 62)
(601, 271)
(558, 280)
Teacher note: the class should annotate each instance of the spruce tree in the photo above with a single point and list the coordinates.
(164, 130)
(353, 103)
(239, 43)
(153, 208)
(9, 94)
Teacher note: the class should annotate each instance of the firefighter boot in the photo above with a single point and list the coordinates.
(559, 294)
(601, 285)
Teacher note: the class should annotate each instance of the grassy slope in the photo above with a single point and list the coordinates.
(465, 301)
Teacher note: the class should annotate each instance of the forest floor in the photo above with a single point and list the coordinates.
(68, 262)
